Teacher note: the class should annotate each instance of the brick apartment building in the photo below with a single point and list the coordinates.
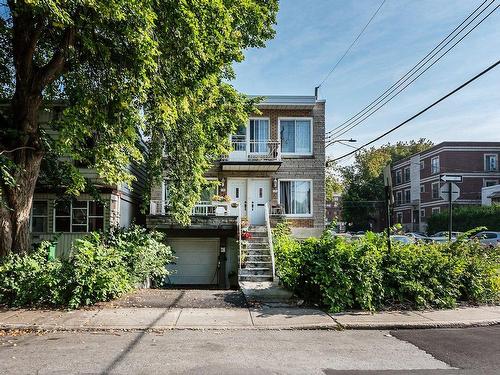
(417, 179)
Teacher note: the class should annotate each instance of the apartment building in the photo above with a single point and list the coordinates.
(417, 179)
(276, 171)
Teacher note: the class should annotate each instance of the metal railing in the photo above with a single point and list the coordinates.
(270, 236)
(202, 208)
(266, 150)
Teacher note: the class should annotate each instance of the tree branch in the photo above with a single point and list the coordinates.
(49, 72)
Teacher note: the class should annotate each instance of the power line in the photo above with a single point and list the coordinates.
(352, 44)
(352, 126)
(421, 112)
(412, 71)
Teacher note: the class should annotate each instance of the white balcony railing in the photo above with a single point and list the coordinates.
(243, 150)
(202, 208)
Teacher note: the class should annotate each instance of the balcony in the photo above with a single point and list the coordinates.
(204, 215)
(247, 155)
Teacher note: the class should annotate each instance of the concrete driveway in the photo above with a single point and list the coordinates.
(180, 298)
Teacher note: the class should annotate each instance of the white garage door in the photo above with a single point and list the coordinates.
(196, 261)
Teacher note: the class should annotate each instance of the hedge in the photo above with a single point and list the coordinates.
(466, 218)
(340, 274)
(101, 267)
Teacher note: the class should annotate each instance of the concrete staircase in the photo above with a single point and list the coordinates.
(258, 263)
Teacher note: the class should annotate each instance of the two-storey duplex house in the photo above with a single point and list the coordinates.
(276, 171)
(417, 179)
(54, 217)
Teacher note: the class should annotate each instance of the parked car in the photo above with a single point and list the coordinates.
(488, 238)
(346, 236)
(406, 240)
(418, 237)
(443, 236)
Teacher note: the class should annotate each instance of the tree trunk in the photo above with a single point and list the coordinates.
(15, 217)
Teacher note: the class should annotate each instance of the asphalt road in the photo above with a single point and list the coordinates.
(254, 352)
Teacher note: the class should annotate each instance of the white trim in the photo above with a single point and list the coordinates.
(311, 198)
(88, 216)
(432, 190)
(496, 162)
(311, 119)
(486, 180)
(435, 210)
(46, 216)
(438, 165)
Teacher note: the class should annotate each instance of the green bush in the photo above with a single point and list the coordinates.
(364, 274)
(466, 218)
(101, 267)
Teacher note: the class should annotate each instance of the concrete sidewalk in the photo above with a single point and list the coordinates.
(241, 318)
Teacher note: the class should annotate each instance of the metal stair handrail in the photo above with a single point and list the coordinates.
(269, 236)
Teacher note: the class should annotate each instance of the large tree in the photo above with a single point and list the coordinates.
(363, 181)
(123, 69)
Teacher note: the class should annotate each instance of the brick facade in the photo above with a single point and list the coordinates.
(310, 167)
(467, 159)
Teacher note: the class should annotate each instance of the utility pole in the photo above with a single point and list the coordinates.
(450, 214)
(388, 211)
(388, 201)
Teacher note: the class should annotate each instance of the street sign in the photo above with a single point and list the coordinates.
(444, 192)
(451, 178)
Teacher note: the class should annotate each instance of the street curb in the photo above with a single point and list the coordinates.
(336, 326)
(42, 328)
(426, 325)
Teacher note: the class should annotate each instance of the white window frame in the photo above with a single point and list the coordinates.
(486, 169)
(432, 190)
(438, 165)
(399, 173)
(422, 212)
(46, 216)
(404, 195)
(404, 174)
(485, 182)
(247, 134)
(422, 188)
(311, 198)
(71, 217)
(435, 210)
(422, 164)
(311, 145)
(399, 215)
(399, 197)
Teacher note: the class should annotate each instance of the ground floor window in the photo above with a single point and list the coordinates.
(435, 210)
(295, 197)
(39, 217)
(78, 216)
(399, 217)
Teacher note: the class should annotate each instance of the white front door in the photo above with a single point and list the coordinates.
(237, 190)
(260, 194)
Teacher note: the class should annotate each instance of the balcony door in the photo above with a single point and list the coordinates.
(258, 136)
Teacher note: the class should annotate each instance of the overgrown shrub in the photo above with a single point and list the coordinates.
(465, 218)
(364, 274)
(101, 267)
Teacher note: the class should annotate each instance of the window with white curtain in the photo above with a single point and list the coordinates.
(295, 197)
(259, 135)
(296, 136)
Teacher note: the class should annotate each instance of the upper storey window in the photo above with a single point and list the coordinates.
(296, 136)
(491, 162)
(435, 165)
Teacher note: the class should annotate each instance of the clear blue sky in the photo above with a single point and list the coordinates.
(313, 34)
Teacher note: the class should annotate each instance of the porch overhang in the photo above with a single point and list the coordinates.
(257, 166)
(213, 223)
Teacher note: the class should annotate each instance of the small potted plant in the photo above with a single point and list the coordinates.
(244, 223)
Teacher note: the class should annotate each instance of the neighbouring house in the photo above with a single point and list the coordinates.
(417, 179)
(490, 195)
(276, 171)
(54, 217)
(333, 208)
